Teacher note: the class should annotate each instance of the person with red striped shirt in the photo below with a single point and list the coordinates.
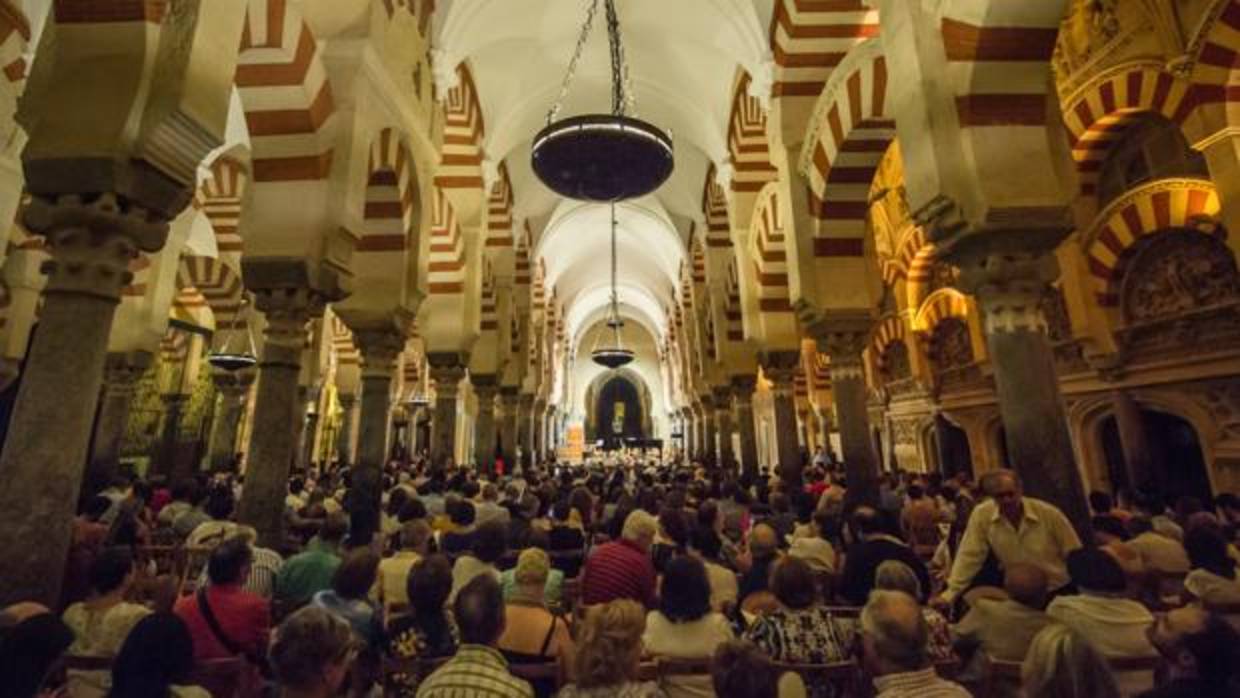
(622, 569)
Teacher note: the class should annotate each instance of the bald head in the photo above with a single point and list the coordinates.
(896, 634)
(1026, 584)
(763, 540)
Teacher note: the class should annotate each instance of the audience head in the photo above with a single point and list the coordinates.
(1101, 502)
(639, 529)
(96, 507)
(1062, 664)
(741, 670)
(1197, 644)
(230, 562)
(157, 653)
(533, 567)
(894, 634)
(685, 593)
(356, 574)
(1026, 585)
(792, 583)
(428, 586)
(112, 570)
(1005, 488)
(894, 575)
(866, 521)
(334, 528)
(220, 504)
(415, 535)
(1093, 570)
(311, 651)
(674, 526)
(609, 647)
(479, 611)
(490, 542)
(706, 542)
(1108, 528)
(28, 652)
(1207, 550)
(412, 510)
(460, 511)
(763, 541)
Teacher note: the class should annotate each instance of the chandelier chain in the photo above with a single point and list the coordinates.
(622, 99)
(572, 64)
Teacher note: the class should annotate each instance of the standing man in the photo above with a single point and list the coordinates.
(1014, 529)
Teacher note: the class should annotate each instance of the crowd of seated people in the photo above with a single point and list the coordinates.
(627, 578)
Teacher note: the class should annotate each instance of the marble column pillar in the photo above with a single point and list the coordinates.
(166, 463)
(122, 371)
(742, 400)
(723, 421)
(780, 368)
(344, 438)
(537, 445)
(710, 437)
(379, 351)
(550, 438)
(231, 388)
(525, 406)
(690, 434)
(1009, 286)
(1134, 442)
(277, 407)
(447, 369)
(486, 388)
(508, 398)
(91, 242)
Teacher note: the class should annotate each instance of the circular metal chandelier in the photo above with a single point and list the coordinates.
(602, 157)
(231, 361)
(616, 355)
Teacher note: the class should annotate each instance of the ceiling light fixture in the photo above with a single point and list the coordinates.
(602, 157)
(616, 355)
(230, 361)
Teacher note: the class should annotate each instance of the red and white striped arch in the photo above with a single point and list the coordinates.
(1097, 114)
(460, 165)
(446, 268)
(14, 37)
(219, 199)
(499, 212)
(770, 253)
(891, 329)
(747, 141)
(1146, 210)
(715, 210)
(286, 94)
(174, 346)
(140, 267)
(943, 303)
(489, 316)
(1219, 55)
(342, 343)
(218, 284)
(391, 206)
(521, 263)
(809, 38)
(852, 129)
(732, 312)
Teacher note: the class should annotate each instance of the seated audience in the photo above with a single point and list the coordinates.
(895, 651)
(1115, 625)
(414, 537)
(1003, 627)
(1063, 664)
(532, 634)
(311, 571)
(459, 538)
(622, 569)
(101, 623)
(489, 544)
(741, 670)
(489, 508)
(156, 661)
(552, 591)
(1213, 577)
(478, 669)
(427, 630)
(763, 552)
(1201, 652)
(1159, 552)
(311, 654)
(89, 534)
(29, 652)
(684, 626)
(875, 547)
(800, 631)
(893, 575)
(223, 619)
(672, 537)
(609, 650)
(348, 597)
(566, 531)
(219, 526)
(1111, 537)
(814, 546)
(704, 544)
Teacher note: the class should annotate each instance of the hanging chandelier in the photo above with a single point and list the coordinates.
(227, 360)
(602, 157)
(616, 355)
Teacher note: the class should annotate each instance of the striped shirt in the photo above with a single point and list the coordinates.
(918, 684)
(618, 570)
(476, 671)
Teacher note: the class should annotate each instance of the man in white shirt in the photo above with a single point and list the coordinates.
(1158, 551)
(1015, 529)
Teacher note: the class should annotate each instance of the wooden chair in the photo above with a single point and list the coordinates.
(222, 678)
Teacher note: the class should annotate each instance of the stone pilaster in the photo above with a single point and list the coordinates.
(121, 374)
(780, 368)
(277, 407)
(525, 408)
(447, 369)
(486, 388)
(742, 399)
(724, 423)
(537, 433)
(690, 433)
(508, 400)
(344, 439)
(710, 429)
(842, 337)
(232, 388)
(1009, 286)
(379, 349)
(92, 243)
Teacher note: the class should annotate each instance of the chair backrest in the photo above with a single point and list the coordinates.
(680, 666)
(222, 678)
(78, 662)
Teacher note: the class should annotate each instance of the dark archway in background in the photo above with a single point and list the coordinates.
(619, 390)
(952, 450)
(1177, 463)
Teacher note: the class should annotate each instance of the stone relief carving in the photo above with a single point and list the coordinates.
(895, 364)
(942, 275)
(904, 431)
(1176, 273)
(950, 345)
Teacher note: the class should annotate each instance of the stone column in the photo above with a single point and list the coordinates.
(309, 437)
(379, 351)
(91, 243)
(551, 436)
(122, 371)
(165, 462)
(723, 420)
(231, 387)
(486, 387)
(843, 339)
(525, 406)
(1134, 442)
(1009, 286)
(344, 439)
(537, 444)
(508, 397)
(780, 368)
(277, 407)
(742, 399)
(447, 369)
(690, 433)
(710, 435)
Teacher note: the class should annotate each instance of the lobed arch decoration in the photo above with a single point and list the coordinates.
(393, 205)
(1097, 114)
(287, 97)
(1179, 274)
(219, 198)
(850, 132)
(889, 350)
(769, 251)
(215, 285)
(1154, 207)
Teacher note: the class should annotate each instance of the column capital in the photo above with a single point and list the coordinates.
(347, 400)
(722, 395)
(447, 374)
(780, 368)
(840, 334)
(1009, 286)
(287, 309)
(122, 370)
(486, 385)
(233, 383)
(743, 385)
(526, 401)
(379, 348)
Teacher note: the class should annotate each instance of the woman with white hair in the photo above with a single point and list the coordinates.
(894, 575)
(1062, 664)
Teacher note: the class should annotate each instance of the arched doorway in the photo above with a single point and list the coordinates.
(619, 413)
(1177, 465)
(948, 448)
